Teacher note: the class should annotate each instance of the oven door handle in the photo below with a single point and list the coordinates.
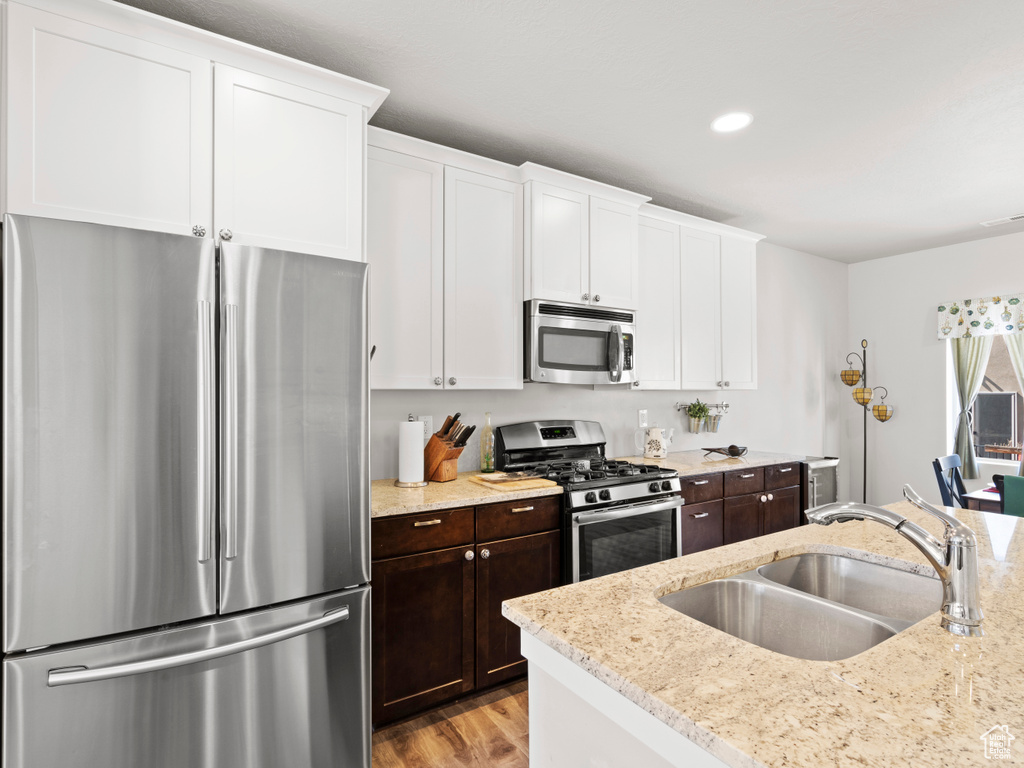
(616, 353)
(603, 516)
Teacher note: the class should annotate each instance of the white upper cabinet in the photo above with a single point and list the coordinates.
(104, 127)
(120, 117)
(483, 268)
(288, 166)
(581, 240)
(739, 313)
(657, 320)
(405, 251)
(614, 271)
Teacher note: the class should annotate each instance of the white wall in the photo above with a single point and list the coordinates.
(893, 304)
(802, 315)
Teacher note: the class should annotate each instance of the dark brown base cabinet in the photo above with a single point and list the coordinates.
(761, 500)
(438, 580)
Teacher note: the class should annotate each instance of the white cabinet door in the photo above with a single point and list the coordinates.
(559, 243)
(106, 128)
(613, 254)
(483, 278)
(405, 251)
(739, 313)
(701, 313)
(288, 166)
(657, 321)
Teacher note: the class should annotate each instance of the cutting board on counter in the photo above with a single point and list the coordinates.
(500, 482)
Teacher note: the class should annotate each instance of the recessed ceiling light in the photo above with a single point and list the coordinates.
(733, 121)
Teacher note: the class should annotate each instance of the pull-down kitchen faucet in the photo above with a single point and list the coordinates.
(955, 558)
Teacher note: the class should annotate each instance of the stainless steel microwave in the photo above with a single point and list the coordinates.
(575, 344)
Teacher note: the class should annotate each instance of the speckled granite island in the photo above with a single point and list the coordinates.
(621, 676)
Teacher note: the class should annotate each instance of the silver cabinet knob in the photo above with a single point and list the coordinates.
(636, 383)
(199, 230)
(586, 297)
(438, 381)
(485, 553)
(719, 383)
(597, 297)
(225, 234)
(469, 554)
(451, 381)
(727, 383)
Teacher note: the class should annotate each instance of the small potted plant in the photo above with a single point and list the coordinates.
(697, 411)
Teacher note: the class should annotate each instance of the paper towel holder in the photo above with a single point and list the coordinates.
(399, 483)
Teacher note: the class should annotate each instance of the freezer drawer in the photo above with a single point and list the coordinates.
(301, 701)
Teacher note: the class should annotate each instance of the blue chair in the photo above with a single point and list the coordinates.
(1013, 495)
(951, 482)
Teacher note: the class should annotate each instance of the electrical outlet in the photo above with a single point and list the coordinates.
(641, 417)
(428, 427)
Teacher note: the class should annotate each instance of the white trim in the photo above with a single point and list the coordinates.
(438, 153)
(533, 172)
(182, 37)
(688, 220)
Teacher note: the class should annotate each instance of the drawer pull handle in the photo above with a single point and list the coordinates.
(702, 514)
(746, 477)
(425, 523)
(516, 510)
(701, 482)
(787, 469)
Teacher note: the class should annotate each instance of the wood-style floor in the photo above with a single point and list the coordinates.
(487, 731)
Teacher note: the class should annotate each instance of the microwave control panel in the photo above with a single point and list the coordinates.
(627, 344)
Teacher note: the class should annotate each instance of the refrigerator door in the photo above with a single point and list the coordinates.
(294, 426)
(108, 418)
(284, 687)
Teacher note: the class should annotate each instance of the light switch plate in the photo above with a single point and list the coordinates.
(428, 427)
(641, 418)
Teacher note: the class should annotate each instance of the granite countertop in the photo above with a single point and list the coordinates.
(387, 499)
(694, 462)
(921, 697)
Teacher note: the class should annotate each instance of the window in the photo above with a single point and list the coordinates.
(998, 412)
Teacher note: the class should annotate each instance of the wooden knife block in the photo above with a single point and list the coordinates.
(440, 460)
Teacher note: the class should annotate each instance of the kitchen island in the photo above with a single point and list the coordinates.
(618, 676)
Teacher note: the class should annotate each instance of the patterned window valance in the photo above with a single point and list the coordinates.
(990, 316)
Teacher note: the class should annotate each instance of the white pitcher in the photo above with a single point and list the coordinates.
(653, 441)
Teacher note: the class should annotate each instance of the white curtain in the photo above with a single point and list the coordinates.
(970, 359)
(1015, 346)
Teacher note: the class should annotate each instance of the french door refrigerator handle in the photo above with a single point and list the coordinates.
(204, 506)
(73, 675)
(230, 448)
(616, 353)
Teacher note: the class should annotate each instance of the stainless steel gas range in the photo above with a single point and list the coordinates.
(618, 515)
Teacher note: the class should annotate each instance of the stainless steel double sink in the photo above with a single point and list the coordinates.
(813, 606)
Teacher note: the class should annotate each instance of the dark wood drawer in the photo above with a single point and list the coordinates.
(702, 488)
(518, 518)
(741, 481)
(781, 475)
(703, 526)
(422, 532)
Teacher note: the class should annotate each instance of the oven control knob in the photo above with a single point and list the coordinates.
(666, 485)
(655, 487)
(605, 495)
(591, 497)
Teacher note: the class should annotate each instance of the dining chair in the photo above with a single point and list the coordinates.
(1013, 495)
(998, 482)
(951, 482)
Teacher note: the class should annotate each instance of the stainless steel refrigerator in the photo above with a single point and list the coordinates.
(185, 503)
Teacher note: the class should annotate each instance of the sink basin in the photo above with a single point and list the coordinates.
(779, 619)
(877, 589)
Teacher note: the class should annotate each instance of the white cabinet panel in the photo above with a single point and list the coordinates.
(106, 128)
(405, 250)
(739, 313)
(288, 166)
(559, 243)
(657, 319)
(701, 310)
(483, 281)
(613, 254)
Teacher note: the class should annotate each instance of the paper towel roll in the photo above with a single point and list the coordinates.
(410, 451)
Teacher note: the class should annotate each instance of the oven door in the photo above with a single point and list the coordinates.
(570, 350)
(607, 541)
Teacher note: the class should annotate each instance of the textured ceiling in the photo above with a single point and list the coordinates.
(880, 126)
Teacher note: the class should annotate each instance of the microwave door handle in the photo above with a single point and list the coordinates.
(616, 353)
